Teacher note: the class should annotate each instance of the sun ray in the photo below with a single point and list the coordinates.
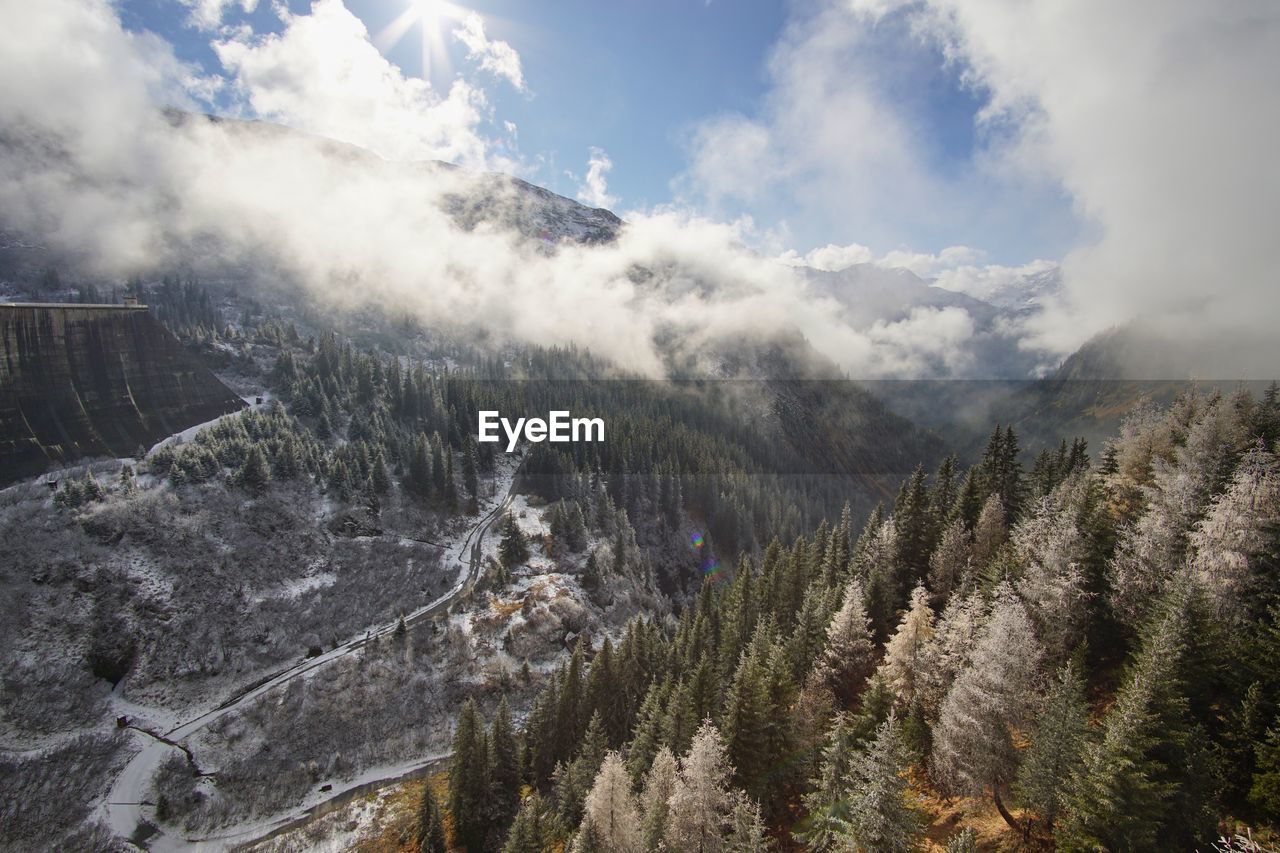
(432, 17)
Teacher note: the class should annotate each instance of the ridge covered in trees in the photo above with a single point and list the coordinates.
(1089, 649)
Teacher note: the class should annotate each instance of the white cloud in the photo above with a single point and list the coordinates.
(129, 192)
(593, 189)
(495, 56)
(322, 74)
(208, 14)
(1159, 119)
(830, 257)
(833, 150)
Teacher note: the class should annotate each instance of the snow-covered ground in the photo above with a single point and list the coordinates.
(125, 809)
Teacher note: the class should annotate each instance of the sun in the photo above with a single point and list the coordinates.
(431, 17)
(428, 11)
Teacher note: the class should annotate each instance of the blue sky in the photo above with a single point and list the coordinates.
(642, 82)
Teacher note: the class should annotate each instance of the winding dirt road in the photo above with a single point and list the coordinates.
(127, 799)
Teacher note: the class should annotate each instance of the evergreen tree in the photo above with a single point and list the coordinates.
(1264, 793)
(746, 716)
(883, 813)
(849, 657)
(1236, 547)
(504, 767)
(973, 747)
(905, 651)
(610, 820)
(913, 524)
(430, 831)
(1146, 784)
(379, 476)
(989, 533)
(532, 830)
(949, 563)
(701, 803)
(659, 784)
(469, 780)
(1061, 729)
(128, 485)
(255, 473)
(827, 802)
(470, 478)
(1051, 549)
(513, 550)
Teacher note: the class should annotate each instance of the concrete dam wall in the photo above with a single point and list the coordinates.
(94, 380)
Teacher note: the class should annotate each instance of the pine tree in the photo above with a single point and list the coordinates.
(746, 827)
(420, 468)
(255, 473)
(904, 653)
(1051, 548)
(746, 716)
(430, 831)
(128, 485)
(531, 831)
(827, 801)
(883, 813)
(973, 748)
(701, 803)
(504, 767)
(610, 818)
(949, 568)
(469, 780)
(990, 532)
(1236, 547)
(576, 779)
(955, 636)
(470, 478)
(1146, 783)
(849, 657)
(380, 477)
(513, 550)
(878, 566)
(914, 527)
(659, 784)
(1061, 729)
(1264, 792)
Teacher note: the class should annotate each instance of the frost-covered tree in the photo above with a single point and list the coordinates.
(949, 563)
(878, 568)
(904, 654)
(746, 827)
(882, 812)
(1052, 551)
(990, 532)
(610, 819)
(954, 638)
(659, 784)
(991, 700)
(1181, 486)
(1236, 547)
(849, 657)
(700, 809)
